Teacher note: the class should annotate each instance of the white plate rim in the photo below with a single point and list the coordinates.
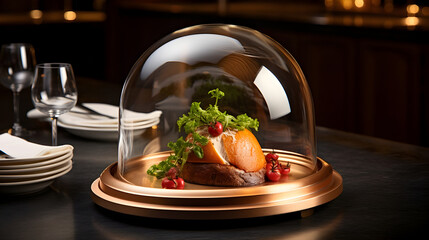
(67, 126)
(24, 177)
(33, 169)
(37, 180)
(36, 164)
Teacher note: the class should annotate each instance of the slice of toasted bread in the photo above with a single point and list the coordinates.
(221, 175)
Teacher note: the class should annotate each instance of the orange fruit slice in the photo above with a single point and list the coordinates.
(240, 149)
(244, 151)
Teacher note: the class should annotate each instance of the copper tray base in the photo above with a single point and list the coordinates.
(302, 190)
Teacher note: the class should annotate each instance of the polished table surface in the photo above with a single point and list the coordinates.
(385, 196)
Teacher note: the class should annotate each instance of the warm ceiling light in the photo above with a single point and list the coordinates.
(70, 16)
(412, 9)
(359, 3)
(36, 14)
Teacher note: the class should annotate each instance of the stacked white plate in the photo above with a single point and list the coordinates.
(27, 167)
(102, 122)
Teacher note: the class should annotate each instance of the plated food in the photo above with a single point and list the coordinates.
(219, 150)
(233, 158)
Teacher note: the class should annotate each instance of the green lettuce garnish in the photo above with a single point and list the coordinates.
(199, 117)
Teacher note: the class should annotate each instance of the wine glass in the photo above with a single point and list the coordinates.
(17, 61)
(54, 91)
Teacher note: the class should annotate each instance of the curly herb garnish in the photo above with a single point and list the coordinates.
(198, 117)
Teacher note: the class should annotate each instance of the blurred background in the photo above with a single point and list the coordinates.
(366, 61)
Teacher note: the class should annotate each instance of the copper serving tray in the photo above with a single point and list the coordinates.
(141, 195)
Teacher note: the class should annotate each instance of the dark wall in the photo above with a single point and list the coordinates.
(81, 44)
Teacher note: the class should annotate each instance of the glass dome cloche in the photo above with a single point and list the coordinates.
(241, 73)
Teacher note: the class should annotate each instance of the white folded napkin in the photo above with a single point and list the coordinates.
(103, 108)
(131, 118)
(128, 115)
(17, 147)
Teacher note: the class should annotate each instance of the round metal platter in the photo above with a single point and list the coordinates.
(141, 195)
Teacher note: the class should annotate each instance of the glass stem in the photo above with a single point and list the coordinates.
(16, 125)
(54, 131)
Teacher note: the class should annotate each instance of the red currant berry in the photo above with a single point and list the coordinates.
(268, 157)
(180, 183)
(275, 157)
(168, 183)
(216, 129)
(284, 170)
(273, 174)
(271, 156)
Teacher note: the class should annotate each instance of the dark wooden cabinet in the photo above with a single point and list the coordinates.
(388, 90)
(424, 92)
(328, 64)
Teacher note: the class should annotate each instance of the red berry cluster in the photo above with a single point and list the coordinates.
(172, 181)
(274, 168)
